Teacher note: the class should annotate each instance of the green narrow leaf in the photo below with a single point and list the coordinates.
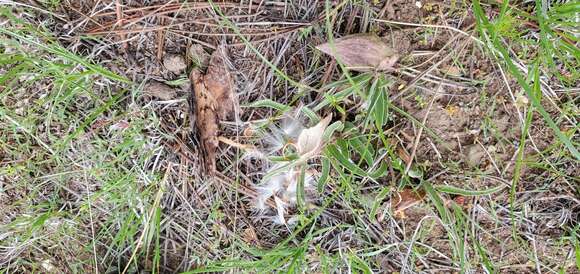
(329, 131)
(576, 243)
(324, 174)
(487, 264)
(335, 153)
(378, 200)
(157, 250)
(300, 194)
(465, 192)
(359, 144)
(380, 110)
(358, 263)
(90, 119)
(312, 116)
(269, 104)
(379, 172)
(39, 222)
(60, 51)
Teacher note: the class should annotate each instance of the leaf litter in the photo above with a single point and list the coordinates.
(362, 52)
(159, 90)
(215, 100)
(404, 200)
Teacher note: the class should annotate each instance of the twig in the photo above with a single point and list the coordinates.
(418, 137)
(119, 10)
(160, 40)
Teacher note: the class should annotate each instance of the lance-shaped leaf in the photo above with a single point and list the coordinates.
(361, 52)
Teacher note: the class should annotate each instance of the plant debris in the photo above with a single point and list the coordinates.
(197, 56)
(282, 182)
(310, 140)
(405, 199)
(174, 63)
(159, 90)
(215, 100)
(361, 52)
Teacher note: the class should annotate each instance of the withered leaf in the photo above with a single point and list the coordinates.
(220, 82)
(405, 199)
(361, 52)
(159, 90)
(215, 101)
(310, 140)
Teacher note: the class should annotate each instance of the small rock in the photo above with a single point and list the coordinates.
(174, 63)
(159, 90)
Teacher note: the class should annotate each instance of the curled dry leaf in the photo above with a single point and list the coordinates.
(361, 52)
(405, 199)
(215, 100)
(309, 141)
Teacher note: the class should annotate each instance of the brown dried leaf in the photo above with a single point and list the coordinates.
(405, 199)
(361, 52)
(220, 83)
(452, 70)
(251, 237)
(159, 90)
(214, 100)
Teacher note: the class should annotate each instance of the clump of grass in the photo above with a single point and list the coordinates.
(74, 159)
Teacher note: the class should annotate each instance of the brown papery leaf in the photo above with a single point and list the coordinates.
(159, 90)
(220, 82)
(361, 52)
(405, 199)
(215, 100)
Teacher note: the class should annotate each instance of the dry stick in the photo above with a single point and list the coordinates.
(489, 156)
(235, 144)
(278, 32)
(437, 53)
(173, 7)
(160, 40)
(418, 137)
(431, 26)
(87, 17)
(87, 188)
(16, 3)
(119, 10)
